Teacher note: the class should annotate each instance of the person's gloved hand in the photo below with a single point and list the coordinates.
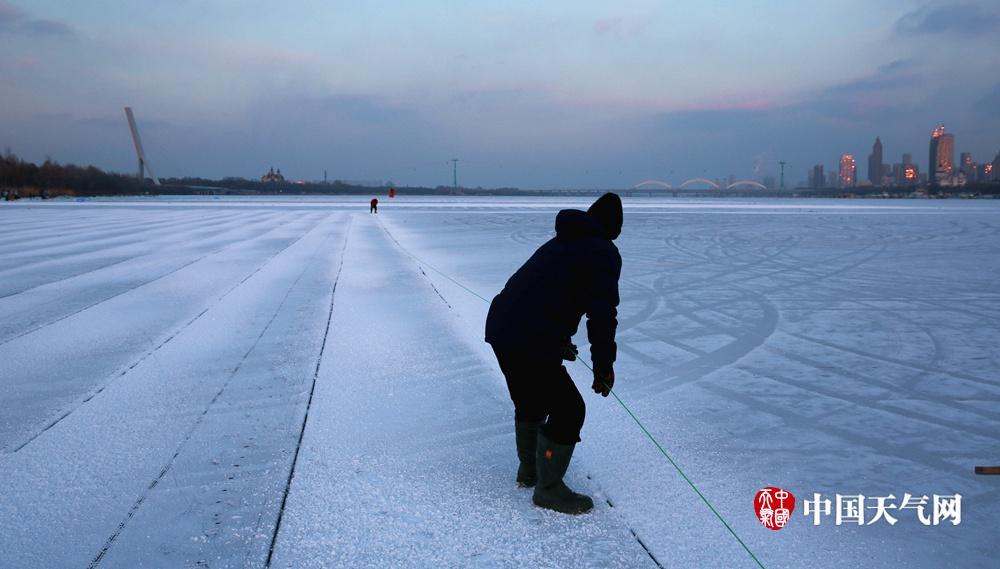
(604, 380)
(570, 351)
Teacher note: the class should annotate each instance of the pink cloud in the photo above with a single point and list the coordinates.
(605, 25)
(15, 20)
(9, 14)
(19, 62)
(25, 62)
(621, 27)
(661, 104)
(745, 105)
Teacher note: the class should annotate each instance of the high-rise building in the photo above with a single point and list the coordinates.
(816, 177)
(848, 171)
(941, 162)
(909, 174)
(875, 163)
(968, 168)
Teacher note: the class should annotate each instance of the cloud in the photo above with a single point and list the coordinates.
(22, 62)
(105, 121)
(891, 90)
(720, 119)
(959, 18)
(340, 112)
(47, 28)
(9, 15)
(621, 26)
(815, 128)
(989, 104)
(900, 73)
(13, 20)
(57, 116)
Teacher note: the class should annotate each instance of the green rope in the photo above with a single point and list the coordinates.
(679, 471)
(617, 398)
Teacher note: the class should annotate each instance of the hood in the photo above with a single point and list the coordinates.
(607, 210)
(574, 224)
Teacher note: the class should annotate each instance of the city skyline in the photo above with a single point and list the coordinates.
(942, 168)
(563, 95)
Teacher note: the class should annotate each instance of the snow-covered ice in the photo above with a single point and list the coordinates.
(161, 359)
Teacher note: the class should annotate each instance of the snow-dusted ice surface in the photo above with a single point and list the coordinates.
(164, 363)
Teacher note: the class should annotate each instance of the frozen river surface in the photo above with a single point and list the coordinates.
(236, 383)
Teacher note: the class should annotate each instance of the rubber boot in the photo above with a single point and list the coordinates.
(550, 492)
(526, 437)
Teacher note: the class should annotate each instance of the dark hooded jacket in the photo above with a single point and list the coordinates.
(573, 274)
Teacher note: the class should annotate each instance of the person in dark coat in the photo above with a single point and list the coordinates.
(530, 324)
(374, 206)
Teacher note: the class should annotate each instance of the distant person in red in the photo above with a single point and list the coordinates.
(374, 208)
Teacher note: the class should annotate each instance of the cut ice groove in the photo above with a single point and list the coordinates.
(126, 291)
(166, 467)
(645, 431)
(642, 544)
(87, 398)
(312, 390)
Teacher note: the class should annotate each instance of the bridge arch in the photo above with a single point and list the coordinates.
(746, 183)
(656, 183)
(699, 180)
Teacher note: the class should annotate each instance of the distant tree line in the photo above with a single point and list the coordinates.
(243, 185)
(52, 178)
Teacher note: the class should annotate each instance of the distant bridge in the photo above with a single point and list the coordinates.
(693, 181)
(654, 183)
(750, 183)
(648, 184)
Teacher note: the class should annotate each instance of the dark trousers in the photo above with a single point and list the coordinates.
(542, 390)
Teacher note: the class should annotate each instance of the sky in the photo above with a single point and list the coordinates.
(554, 94)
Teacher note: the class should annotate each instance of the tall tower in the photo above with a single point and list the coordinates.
(941, 162)
(139, 152)
(848, 171)
(875, 163)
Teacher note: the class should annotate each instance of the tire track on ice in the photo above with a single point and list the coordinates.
(804, 423)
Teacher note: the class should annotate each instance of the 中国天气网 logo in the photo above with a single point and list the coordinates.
(774, 507)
